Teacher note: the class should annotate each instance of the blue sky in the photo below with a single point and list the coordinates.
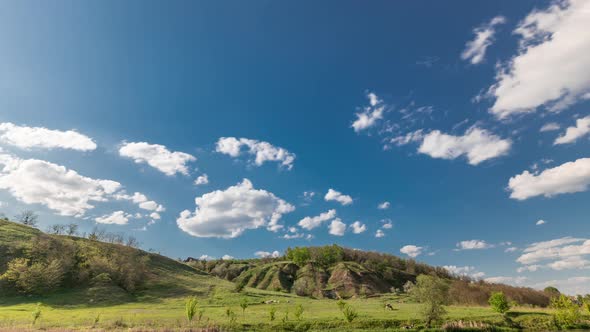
(470, 119)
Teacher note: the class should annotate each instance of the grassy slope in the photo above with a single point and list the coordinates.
(161, 304)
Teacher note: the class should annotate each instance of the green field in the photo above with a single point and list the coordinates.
(154, 311)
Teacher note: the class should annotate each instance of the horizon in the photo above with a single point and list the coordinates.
(454, 134)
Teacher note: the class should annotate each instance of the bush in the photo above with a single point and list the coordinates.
(272, 313)
(36, 278)
(349, 313)
(190, 308)
(299, 312)
(567, 312)
(499, 303)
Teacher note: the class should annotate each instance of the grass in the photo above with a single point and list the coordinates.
(216, 296)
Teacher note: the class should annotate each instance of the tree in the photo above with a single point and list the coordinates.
(57, 229)
(72, 229)
(499, 303)
(433, 293)
(552, 291)
(567, 313)
(299, 256)
(28, 218)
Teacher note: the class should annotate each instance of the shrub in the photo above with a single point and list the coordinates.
(349, 313)
(567, 312)
(499, 303)
(36, 278)
(244, 305)
(299, 312)
(36, 313)
(190, 308)
(341, 304)
(272, 313)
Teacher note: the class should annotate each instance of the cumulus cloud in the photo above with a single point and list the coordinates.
(155, 216)
(310, 223)
(384, 206)
(475, 50)
(540, 222)
(558, 254)
(551, 67)
(262, 151)
(38, 137)
(157, 156)
(60, 189)
(202, 180)
(228, 213)
(206, 258)
(572, 134)
(358, 227)
(476, 144)
(337, 227)
(473, 244)
(370, 115)
(551, 126)
(267, 254)
(227, 257)
(379, 233)
(567, 178)
(115, 218)
(141, 200)
(411, 250)
(333, 195)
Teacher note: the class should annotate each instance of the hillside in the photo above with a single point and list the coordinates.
(93, 271)
(76, 270)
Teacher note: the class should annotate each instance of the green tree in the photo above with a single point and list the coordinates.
(299, 255)
(567, 313)
(499, 303)
(551, 291)
(433, 293)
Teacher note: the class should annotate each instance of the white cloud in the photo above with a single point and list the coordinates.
(308, 197)
(116, 218)
(266, 254)
(414, 136)
(473, 244)
(477, 145)
(411, 250)
(202, 180)
(540, 222)
(157, 156)
(206, 258)
(551, 67)
(506, 280)
(358, 227)
(571, 134)
(511, 249)
(379, 234)
(551, 126)
(337, 227)
(387, 224)
(141, 200)
(333, 195)
(155, 216)
(63, 190)
(570, 177)
(228, 213)
(475, 49)
(571, 286)
(464, 271)
(38, 137)
(566, 252)
(529, 268)
(262, 151)
(310, 223)
(384, 206)
(227, 257)
(370, 115)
